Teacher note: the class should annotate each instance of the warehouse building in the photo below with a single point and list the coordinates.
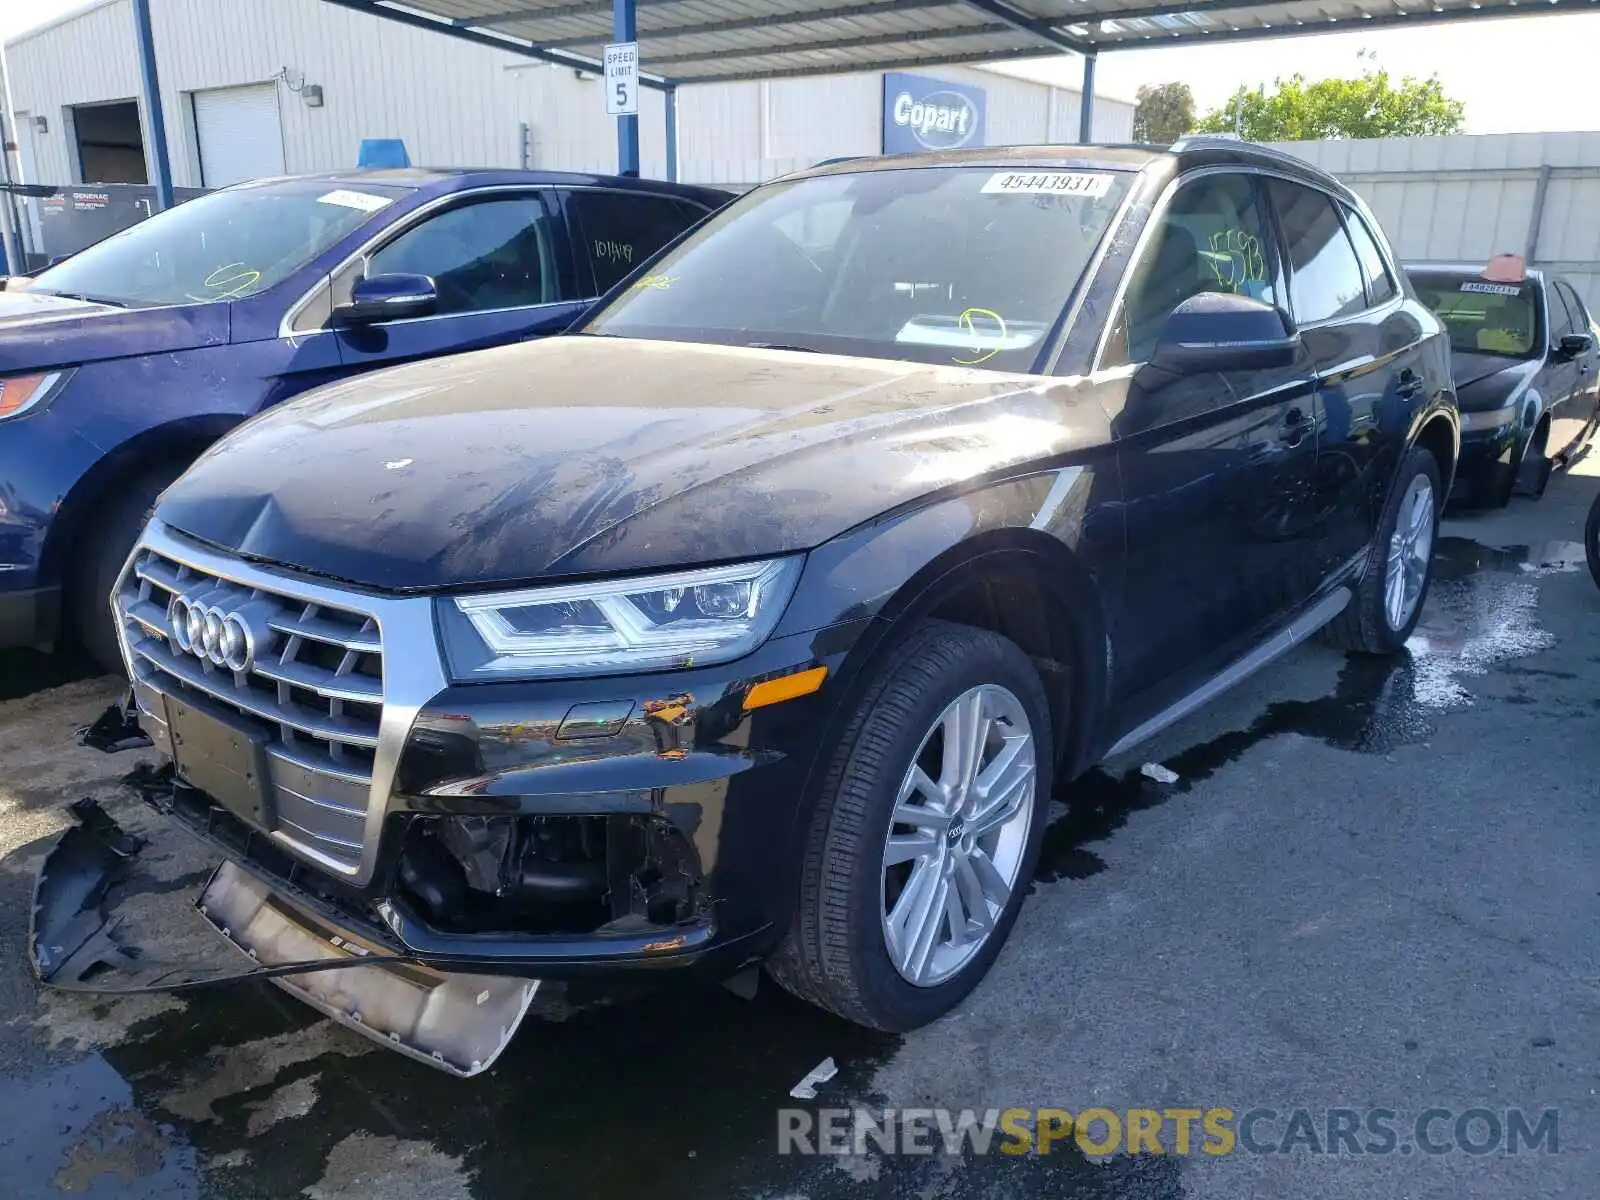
(261, 87)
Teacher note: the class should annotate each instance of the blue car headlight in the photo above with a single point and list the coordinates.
(621, 626)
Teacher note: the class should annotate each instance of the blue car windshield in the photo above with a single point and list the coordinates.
(220, 246)
(966, 266)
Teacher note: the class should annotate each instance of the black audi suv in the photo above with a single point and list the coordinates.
(758, 620)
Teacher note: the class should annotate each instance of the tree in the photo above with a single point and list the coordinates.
(1369, 107)
(1165, 113)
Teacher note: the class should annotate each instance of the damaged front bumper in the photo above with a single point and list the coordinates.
(456, 1021)
(417, 858)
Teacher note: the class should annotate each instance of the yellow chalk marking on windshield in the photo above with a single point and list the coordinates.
(965, 321)
(230, 285)
(789, 687)
(659, 282)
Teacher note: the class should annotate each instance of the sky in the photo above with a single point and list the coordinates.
(1518, 74)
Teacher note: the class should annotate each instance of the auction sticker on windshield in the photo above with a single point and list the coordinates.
(1493, 289)
(1049, 183)
(365, 201)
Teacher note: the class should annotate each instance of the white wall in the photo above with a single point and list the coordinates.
(1468, 197)
(454, 103)
(739, 134)
(458, 104)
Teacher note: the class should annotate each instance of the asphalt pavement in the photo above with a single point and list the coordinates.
(1373, 889)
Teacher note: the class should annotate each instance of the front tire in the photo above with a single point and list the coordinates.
(926, 832)
(1531, 474)
(1388, 602)
(101, 554)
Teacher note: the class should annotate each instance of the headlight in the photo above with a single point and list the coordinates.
(649, 623)
(1472, 422)
(20, 394)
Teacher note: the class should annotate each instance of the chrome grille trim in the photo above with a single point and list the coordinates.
(331, 721)
(256, 704)
(327, 632)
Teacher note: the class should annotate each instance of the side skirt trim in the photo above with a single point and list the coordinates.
(1279, 644)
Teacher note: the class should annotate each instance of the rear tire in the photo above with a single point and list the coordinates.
(101, 553)
(1367, 625)
(840, 950)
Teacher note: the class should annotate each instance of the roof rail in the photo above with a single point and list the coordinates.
(1209, 141)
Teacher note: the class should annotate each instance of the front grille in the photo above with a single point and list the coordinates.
(313, 689)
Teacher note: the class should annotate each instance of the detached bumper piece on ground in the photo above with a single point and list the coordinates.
(81, 942)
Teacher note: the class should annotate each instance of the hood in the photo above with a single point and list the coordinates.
(1489, 381)
(39, 330)
(586, 455)
(1469, 366)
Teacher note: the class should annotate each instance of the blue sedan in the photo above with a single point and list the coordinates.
(121, 364)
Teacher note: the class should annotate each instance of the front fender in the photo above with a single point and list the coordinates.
(1058, 532)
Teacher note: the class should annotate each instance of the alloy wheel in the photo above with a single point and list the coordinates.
(958, 835)
(1410, 550)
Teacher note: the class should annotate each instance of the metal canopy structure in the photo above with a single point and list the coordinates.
(718, 41)
(705, 41)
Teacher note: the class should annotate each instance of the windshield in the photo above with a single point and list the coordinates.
(961, 265)
(1484, 317)
(220, 246)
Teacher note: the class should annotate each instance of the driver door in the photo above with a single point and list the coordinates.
(1217, 468)
(503, 269)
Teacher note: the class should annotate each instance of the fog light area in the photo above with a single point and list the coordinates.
(549, 875)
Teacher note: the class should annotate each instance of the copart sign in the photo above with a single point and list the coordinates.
(920, 113)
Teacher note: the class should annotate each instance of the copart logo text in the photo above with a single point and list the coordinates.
(939, 121)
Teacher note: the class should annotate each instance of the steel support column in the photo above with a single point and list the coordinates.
(1086, 102)
(156, 128)
(671, 98)
(624, 28)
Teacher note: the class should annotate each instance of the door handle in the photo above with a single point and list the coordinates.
(1294, 428)
(1410, 385)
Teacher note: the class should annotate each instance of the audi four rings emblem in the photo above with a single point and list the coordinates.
(212, 632)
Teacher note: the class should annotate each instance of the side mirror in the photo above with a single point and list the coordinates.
(1574, 345)
(390, 297)
(1220, 331)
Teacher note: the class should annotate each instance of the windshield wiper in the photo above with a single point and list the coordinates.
(782, 346)
(84, 297)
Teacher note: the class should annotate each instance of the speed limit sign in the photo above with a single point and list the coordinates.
(622, 79)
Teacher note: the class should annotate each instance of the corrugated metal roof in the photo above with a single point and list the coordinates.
(700, 41)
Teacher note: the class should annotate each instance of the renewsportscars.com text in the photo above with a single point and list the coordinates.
(1182, 1131)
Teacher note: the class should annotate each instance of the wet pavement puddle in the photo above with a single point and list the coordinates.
(1481, 614)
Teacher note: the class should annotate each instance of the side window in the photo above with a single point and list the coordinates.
(1562, 320)
(1211, 238)
(490, 254)
(1580, 314)
(1325, 277)
(619, 230)
(1380, 287)
(1580, 310)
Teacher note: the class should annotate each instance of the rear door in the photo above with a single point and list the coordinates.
(1574, 409)
(503, 269)
(1217, 468)
(1367, 346)
(614, 230)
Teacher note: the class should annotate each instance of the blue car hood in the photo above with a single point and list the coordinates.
(39, 330)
